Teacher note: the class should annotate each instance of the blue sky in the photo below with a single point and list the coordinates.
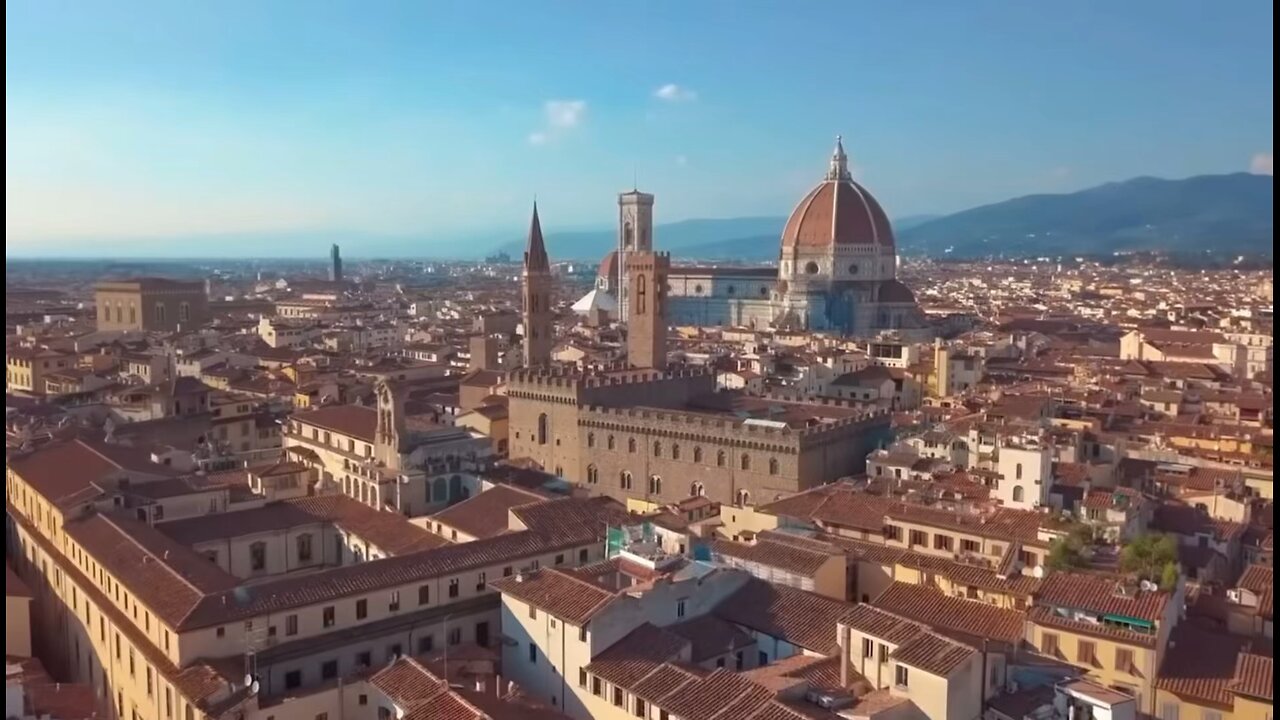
(440, 121)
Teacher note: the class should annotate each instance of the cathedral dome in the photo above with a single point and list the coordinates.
(838, 211)
(609, 267)
(895, 292)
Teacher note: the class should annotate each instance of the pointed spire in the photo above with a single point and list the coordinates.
(535, 251)
(839, 169)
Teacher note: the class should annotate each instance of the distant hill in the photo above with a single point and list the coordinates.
(677, 237)
(1225, 213)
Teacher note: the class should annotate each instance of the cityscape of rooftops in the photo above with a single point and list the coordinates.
(674, 361)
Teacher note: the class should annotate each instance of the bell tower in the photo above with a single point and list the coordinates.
(647, 313)
(391, 426)
(635, 235)
(536, 314)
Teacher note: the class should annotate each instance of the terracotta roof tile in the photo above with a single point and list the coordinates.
(485, 515)
(953, 616)
(933, 653)
(1202, 665)
(641, 652)
(1254, 677)
(805, 619)
(561, 594)
(1100, 594)
(357, 421)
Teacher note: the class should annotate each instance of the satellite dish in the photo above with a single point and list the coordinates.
(253, 688)
(1037, 572)
(248, 680)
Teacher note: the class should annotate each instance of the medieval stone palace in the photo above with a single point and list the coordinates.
(645, 431)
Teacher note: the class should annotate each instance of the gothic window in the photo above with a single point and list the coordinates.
(697, 454)
(591, 439)
(628, 235)
(641, 294)
(610, 442)
(593, 475)
(655, 485)
(624, 479)
(675, 451)
(746, 461)
(720, 458)
(744, 498)
(697, 490)
(159, 314)
(184, 312)
(631, 445)
(657, 449)
(773, 466)
(542, 429)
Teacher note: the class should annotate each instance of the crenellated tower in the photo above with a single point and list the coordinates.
(647, 312)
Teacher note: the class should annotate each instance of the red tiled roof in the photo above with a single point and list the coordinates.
(785, 556)
(570, 598)
(710, 636)
(635, 656)
(64, 471)
(933, 653)
(1254, 677)
(804, 619)
(357, 421)
(952, 615)
(1099, 594)
(485, 515)
(1201, 665)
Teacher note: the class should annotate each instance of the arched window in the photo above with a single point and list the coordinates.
(697, 490)
(184, 311)
(631, 445)
(559, 471)
(159, 314)
(593, 475)
(542, 429)
(657, 449)
(591, 439)
(641, 293)
(655, 485)
(720, 458)
(1017, 493)
(624, 480)
(1018, 471)
(628, 235)
(697, 454)
(675, 451)
(304, 548)
(746, 461)
(744, 498)
(773, 466)
(610, 442)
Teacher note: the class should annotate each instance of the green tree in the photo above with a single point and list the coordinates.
(1068, 552)
(1152, 557)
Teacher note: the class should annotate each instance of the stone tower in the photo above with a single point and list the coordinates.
(647, 313)
(536, 314)
(391, 427)
(635, 235)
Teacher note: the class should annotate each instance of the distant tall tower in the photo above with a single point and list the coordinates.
(335, 264)
(539, 333)
(635, 234)
(647, 313)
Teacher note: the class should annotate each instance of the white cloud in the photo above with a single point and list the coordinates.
(674, 93)
(1261, 164)
(561, 117)
(565, 113)
(682, 160)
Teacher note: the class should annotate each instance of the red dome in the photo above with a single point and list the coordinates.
(609, 266)
(837, 212)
